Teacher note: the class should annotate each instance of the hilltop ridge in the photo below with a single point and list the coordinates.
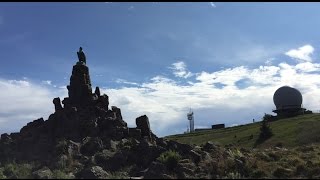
(290, 132)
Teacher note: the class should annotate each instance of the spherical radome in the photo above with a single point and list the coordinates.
(287, 97)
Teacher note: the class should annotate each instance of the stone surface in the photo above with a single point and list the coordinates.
(95, 172)
(91, 146)
(155, 170)
(143, 124)
(43, 173)
(209, 146)
(80, 90)
(57, 104)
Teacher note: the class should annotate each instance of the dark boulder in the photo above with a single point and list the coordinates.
(57, 104)
(143, 124)
(91, 146)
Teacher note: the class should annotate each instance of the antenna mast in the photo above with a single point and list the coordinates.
(191, 120)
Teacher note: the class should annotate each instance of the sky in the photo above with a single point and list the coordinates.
(224, 60)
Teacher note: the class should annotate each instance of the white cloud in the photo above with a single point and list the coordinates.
(264, 75)
(23, 101)
(269, 61)
(180, 70)
(227, 76)
(246, 94)
(21, 83)
(301, 54)
(47, 82)
(122, 81)
(166, 102)
(212, 4)
(308, 67)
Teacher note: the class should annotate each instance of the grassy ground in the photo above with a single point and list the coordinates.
(290, 132)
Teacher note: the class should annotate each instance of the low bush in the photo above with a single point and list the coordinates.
(170, 159)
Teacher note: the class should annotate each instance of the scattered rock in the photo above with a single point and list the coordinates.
(155, 170)
(95, 172)
(195, 156)
(43, 173)
(209, 146)
(282, 172)
(143, 124)
(57, 104)
(91, 146)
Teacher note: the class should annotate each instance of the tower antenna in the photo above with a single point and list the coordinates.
(190, 116)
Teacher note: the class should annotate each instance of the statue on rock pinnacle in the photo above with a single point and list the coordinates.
(81, 56)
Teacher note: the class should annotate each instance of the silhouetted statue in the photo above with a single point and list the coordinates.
(97, 91)
(81, 56)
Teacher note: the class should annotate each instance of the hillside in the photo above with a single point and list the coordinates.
(289, 132)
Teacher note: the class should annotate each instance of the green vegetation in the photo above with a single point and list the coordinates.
(59, 174)
(265, 131)
(170, 159)
(289, 132)
(16, 171)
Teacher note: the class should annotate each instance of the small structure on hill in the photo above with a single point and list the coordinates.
(215, 126)
(218, 126)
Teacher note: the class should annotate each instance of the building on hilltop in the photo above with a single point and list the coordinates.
(288, 102)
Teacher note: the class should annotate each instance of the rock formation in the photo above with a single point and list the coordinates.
(84, 114)
(90, 138)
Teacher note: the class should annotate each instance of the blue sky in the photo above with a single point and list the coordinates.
(225, 60)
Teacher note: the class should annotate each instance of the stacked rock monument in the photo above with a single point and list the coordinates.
(87, 138)
(81, 114)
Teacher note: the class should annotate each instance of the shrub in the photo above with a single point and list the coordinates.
(118, 175)
(267, 117)
(281, 172)
(61, 147)
(308, 112)
(2, 176)
(258, 174)
(170, 159)
(313, 173)
(17, 171)
(58, 174)
(233, 175)
(301, 170)
(236, 153)
(265, 132)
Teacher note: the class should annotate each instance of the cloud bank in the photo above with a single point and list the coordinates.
(23, 101)
(231, 96)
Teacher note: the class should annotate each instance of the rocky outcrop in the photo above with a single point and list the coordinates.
(93, 139)
(57, 104)
(143, 124)
(84, 117)
(80, 90)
